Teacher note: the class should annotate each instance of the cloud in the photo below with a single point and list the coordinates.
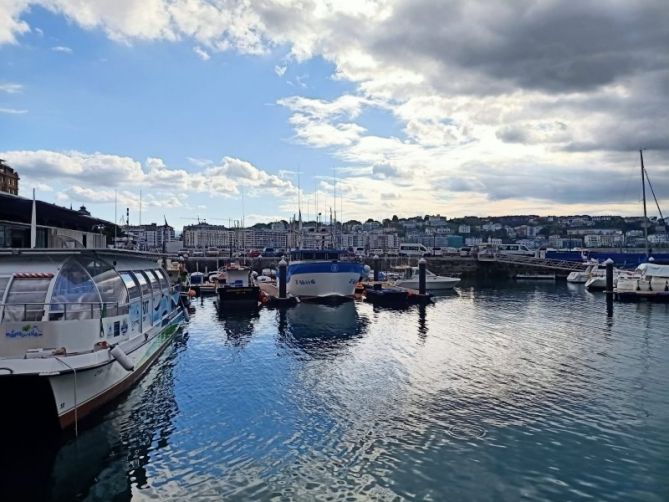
(280, 70)
(13, 111)
(62, 48)
(91, 171)
(201, 53)
(11, 88)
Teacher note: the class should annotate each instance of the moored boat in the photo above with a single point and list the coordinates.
(79, 327)
(320, 274)
(236, 285)
(650, 282)
(433, 282)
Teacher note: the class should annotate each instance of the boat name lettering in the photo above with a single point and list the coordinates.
(25, 331)
(303, 282)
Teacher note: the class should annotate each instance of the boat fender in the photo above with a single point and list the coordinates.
(123, 359)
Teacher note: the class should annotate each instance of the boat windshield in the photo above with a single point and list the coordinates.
(25, 299)
(74, 294)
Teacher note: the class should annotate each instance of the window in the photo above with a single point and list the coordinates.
(131, 285)
(143, 283)
(25, 299)
(74, 294)
(163, 279)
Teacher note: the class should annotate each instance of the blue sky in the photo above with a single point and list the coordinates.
(195, 102)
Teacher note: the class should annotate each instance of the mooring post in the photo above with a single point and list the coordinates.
(376, 268)
(422, 267)
(283, 266)
(609, 287)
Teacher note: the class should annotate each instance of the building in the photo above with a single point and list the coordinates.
(9, 179)
(203, 235)
(57, 227)
(464, 229)
(150, 237)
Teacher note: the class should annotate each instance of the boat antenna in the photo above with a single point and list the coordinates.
(115, 214)
(33, 224)
(645, 213)
(140, 207)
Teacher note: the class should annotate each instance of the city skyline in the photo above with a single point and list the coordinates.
(212, 108)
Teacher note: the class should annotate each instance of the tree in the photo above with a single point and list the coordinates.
(395, 218)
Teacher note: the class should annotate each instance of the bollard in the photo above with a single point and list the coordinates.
(283, 266)
(422, 266)
(609, 275)
(376, 268)
(609, 287)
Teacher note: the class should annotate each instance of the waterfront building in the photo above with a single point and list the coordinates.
(57, 227)
(464, 229)
(9, 179)
(150, 237)
(203, 235)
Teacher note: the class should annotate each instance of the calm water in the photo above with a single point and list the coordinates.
(497, 393)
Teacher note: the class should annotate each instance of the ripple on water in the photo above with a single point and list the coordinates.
(500, 392)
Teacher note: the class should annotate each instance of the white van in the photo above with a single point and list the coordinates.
(411, 249)
(359, 251)
(515, 249)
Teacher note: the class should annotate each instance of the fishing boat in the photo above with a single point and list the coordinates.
(78, 328)
(433, 282)
(320, 274)
(236, 284)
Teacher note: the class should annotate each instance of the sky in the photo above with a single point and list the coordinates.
(229, 109)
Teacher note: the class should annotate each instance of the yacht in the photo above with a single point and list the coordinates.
(314, 274)
(433, 282)
(79, 328)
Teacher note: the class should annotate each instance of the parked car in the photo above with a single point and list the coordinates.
(465, 251)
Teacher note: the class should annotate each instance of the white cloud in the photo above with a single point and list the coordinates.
(201, 53)
(13, 111)
(11, 88)
(62, 48)
(280, 70)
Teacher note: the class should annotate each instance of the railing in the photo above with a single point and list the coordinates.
(564, 265)
(19, 312)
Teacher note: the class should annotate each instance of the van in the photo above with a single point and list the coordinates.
(437, 252)
(465, 251)
(514, 249)
(413, 249)
(359, 251)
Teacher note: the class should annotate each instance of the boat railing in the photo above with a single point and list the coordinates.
(20, 312)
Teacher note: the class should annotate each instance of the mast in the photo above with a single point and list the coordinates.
(645, 213)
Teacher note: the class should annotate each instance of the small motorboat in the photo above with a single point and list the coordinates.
(433, 282)
(236, 284)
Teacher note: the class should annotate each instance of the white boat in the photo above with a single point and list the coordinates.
(581, 277)
(650, 282)
(433, 282)
(313, 274)
(535, 277)
(79, 327)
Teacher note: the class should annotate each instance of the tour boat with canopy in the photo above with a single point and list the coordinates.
(78, 327)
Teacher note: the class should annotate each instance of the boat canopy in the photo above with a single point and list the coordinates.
(654, 269)
(74, 286)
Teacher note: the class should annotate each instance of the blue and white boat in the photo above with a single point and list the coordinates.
(320, 273)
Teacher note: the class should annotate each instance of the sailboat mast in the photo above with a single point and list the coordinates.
(645, 213)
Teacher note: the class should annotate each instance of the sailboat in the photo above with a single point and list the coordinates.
(650, 280)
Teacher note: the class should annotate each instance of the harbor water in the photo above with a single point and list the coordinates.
(499, 392)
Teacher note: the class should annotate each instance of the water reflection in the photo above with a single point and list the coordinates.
(109, 456)
(238, 323)
(314, 327)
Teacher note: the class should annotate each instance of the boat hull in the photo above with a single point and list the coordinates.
(236, 295)
(324, 279)
(440, 285)
(97, 386)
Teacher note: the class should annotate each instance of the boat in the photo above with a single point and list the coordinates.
(236, 284)
(534, 277)
(79, 328)
(592, 270)
(379, 295)
(433, 282)
(320, 274)
(651, 282)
